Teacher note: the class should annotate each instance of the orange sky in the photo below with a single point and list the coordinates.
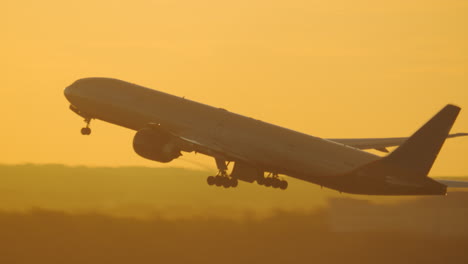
(327, 68)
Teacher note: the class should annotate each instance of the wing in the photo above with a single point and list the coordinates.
(190, 141)
(379, 144)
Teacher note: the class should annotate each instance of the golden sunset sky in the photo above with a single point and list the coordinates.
(327, 68)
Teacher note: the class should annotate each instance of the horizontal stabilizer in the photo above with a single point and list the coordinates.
(380, 144)
(453, 184)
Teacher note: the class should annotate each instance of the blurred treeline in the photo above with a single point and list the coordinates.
(56, 237)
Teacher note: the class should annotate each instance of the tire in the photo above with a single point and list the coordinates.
(261, 181)
(86, 131)
(268, 182)
(211, 180)
(276, 183)
(218, 181)
(226, 182)
(234, 182)
(283, 185)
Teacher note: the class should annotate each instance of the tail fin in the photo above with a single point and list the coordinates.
(417, 154)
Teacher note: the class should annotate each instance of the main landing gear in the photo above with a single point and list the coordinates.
(243, 173)
(86, 130)
(222, 178)
(273, 181)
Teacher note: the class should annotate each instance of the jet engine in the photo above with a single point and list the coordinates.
(155, 144)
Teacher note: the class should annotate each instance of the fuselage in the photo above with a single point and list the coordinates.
(270, 147)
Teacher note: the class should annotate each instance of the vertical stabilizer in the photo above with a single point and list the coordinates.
(418, 153)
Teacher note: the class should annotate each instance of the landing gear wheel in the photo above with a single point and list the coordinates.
(211, 180)
(86, 131)
(276, 183)
(233, 182)
(283, 185)
(268, 182)
(226, 182)
(218, 180)
(261, 181)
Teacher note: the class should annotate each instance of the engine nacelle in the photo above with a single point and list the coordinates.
(155, 144)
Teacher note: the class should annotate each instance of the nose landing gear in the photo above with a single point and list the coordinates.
(86, 130)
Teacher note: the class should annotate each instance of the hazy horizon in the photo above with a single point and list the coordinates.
(170, 192)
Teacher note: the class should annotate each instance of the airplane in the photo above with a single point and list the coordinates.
(167, 125)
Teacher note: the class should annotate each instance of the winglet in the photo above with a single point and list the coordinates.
(418, 153)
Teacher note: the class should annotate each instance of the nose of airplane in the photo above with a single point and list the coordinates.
(68, 91)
